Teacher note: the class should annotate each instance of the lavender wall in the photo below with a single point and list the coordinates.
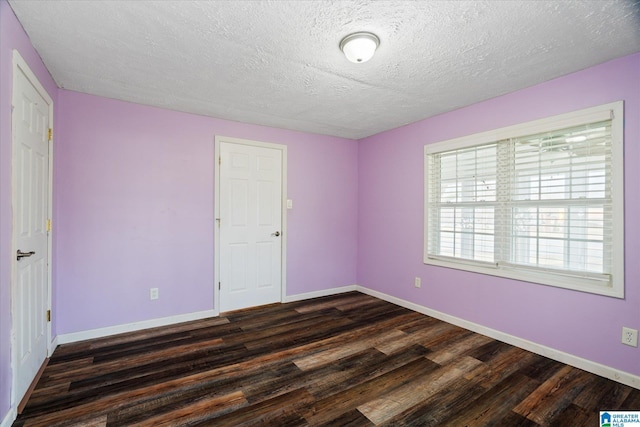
(134, 189)
(12, 36)
(390, 224)
(133, 206)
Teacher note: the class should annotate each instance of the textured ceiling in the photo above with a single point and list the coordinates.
(277, 63)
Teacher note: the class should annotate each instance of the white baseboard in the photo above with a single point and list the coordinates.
(322, 293)
(569, 359)
(146, 324)
(9, 418)
(54, 344)
(130, 327)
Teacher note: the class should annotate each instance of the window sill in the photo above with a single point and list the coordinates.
(580, 284)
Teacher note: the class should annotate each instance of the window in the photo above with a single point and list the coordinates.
(540, 202)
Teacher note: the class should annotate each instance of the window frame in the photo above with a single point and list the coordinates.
(613, 111)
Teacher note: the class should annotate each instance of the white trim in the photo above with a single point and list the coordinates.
(9, 418)
(560, 356)
(560, 121)
(617, 195)
(322, 293)
(50, 235)
(132, 327)
(21, 64)
(614, 111)
(569, 359)
(166, 321)
(54, 344)
(216, 262)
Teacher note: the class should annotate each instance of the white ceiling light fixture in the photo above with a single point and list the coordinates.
(359, 47)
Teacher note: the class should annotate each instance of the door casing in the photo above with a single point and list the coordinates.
(283, 148)
(20, 65)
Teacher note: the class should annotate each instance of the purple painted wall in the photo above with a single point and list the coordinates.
(134, 193)
(12, 36)
(133, 208)
(390, 226)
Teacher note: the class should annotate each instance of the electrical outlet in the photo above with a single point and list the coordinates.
(630, 336)
(418, 282)
(154, 293)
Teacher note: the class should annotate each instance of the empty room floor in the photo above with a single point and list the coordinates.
(347, 359)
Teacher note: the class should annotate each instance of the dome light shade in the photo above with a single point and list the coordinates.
(359, 47)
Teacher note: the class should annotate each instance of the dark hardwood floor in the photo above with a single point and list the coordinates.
(344, 360)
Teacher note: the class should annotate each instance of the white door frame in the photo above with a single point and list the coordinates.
(216, 265)
(20, 65)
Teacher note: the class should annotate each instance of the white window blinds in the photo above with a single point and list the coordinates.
(558, 208)
(540, 203)
(463, 203)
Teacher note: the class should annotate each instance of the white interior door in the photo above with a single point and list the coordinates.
(250, 226)
(31, 198)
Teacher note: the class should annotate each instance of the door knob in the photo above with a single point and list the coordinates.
(277, 233)
(21, 254)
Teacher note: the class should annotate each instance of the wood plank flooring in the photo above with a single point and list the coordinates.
(343, 360)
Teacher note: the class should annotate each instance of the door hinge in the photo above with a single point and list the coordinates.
(50, 134)
(219, 160)
(219, 286)
(48, 226)
(48, 315)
